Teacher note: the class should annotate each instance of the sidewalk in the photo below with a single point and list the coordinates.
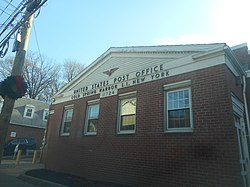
(12, 175)
(27, 174)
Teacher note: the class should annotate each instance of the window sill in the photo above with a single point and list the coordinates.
(126, 132)
(90, 134)
(65, 134)
(181, 130)
(29, 117)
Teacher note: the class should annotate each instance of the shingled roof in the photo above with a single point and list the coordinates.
(37, 120)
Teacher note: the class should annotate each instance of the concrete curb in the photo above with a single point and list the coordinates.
(38, 181)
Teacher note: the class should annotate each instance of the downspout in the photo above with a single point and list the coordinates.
(245, 105)
(231, 55)
(247, 116)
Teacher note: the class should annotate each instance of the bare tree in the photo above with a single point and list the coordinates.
(42, 76)
(6, 67)
(71, 68)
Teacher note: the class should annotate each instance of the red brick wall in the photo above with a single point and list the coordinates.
(25, 131)
(206, 157)
(242, 55)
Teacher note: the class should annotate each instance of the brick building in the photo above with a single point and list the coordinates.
(28, 120)
(156, 116)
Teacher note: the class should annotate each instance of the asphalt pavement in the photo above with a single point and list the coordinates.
(12, 175)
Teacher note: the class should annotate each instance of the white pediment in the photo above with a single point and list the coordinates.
(121, 67)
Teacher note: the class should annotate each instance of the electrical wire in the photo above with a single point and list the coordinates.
(3, 11)
(10, 3)
(19, 23)
(14, 13)
(37, 41)
(10, 22)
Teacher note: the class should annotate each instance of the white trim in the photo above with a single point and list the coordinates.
(178, 85)
(44, 114)
(90, 103)
(127, 95)
(122, 97)
(27, 107)
(196, 57)
(239, 46)
(174, 67)
(65, 108)
(69, 106)
(131, 50)
(248, 73)
(175, 89)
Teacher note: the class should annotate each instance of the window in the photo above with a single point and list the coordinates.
(29, 111)
(127, 113)
(13, 134)
(45, 115)
(67, 120)
(178, 110)
(92, 118)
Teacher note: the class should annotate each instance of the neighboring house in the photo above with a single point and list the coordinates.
(175, 115)
(29, 119)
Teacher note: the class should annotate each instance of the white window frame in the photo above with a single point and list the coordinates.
(91, 103)
(45, 111)
(129, 95)
(29, 107)
(66, 108)
(174, 87)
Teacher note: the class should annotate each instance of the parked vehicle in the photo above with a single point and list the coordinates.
(24, 144)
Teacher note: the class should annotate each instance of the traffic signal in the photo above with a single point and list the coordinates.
(14, 87)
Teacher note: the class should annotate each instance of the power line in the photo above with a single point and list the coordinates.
(37, 41)
(10, 3)
(31, 7)
(12, 14)
(3, 11)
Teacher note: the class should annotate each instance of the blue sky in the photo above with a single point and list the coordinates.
(83, 30)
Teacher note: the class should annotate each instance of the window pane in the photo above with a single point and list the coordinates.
(175, 96)
(179, 118)
(29, 112)
(93, 111)
(92, 120)
(175, 104)
(186, 101)
(178, 99)
(181, 94)
(181, 103)
(127, 114)
(178, 109)
(170, 105)
(68, 115)
(66, 127)
(128, 122)
(92, 125)
(128, 106)
(46, 115)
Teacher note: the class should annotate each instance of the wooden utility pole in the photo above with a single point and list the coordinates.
(17, 70)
